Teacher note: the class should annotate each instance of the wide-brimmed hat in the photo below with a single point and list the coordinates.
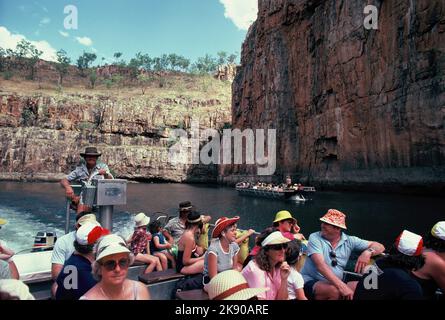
(185, 206)
(223, 223)
(111, 244)
(275, 237)
(89, 233)
(335, 218)
(141, 220)
(91, 151)
(409, 243)
(231, 285)
(438, 231)
(283, 215)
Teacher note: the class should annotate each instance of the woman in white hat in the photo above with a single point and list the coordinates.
(110, 268)
(432, 275)
(140, 244)
(269, 269)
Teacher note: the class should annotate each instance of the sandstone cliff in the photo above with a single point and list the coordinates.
(43, 131)
(352, 107)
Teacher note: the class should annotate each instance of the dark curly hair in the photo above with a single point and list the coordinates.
(434, 243)
(396, 259)
(83, 249)
(293, 252)
(154, 226)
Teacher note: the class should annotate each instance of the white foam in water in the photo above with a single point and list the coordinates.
(18, 234)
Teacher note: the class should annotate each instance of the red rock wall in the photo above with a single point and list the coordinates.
(352, 107)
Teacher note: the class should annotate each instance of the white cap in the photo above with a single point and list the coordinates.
(274, 238)
(409, 243)
(111, 244)
(438, 230)
(89, 233)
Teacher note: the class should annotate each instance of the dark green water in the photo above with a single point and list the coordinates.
(33, 207)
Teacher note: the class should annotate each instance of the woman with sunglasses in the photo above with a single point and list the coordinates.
(269, 269)
(110, 268)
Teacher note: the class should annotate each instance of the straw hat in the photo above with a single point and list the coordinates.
(221, 224)
(87, 218)
(275, 237)
(16, 289)
(283, 215)
(231, 285)
(141, 220)
(335, 218)
(409, 243)
(111, 244)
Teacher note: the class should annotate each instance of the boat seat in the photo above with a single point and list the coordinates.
(196, 294)
(159, 276)
(42, 295)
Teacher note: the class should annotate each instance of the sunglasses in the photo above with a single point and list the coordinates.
(110, 265)
(277, 247)
(333, 257)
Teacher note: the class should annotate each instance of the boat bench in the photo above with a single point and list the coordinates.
(42, 295)
(159, 276)
(197, 294)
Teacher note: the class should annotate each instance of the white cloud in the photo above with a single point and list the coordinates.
(241, 12)
(64, 34)
(9, 41)
(85, 41)
(45, 20)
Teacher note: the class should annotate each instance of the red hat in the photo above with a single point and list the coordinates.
(335, 218)
(89, 233)
(221, 224)
(409, 243)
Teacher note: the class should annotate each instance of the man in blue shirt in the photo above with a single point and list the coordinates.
(84, 172)
(328, 253)
(76, 277)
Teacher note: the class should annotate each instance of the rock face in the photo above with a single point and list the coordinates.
(41, 135)
(352, 107)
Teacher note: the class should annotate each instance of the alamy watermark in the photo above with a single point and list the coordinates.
(259, 147)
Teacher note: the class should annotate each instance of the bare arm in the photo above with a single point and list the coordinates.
(438, 274)
(374, 249)
(188, 247)
(159, 245)
(212, 265)
(5, 253)
(282, 293)
(55, 270)
(245, 236)
(168, 236)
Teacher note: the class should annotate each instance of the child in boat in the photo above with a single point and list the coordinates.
(159, 247)
(295, 282)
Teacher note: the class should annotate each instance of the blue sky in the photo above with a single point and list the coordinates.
(191, 28)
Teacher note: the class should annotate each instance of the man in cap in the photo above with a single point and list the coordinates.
(328, 253)
(64, 246)
(174, 229)
(90, 168)
(76, 277)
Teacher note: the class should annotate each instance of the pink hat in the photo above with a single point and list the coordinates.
(335, 218)
(409, 243)
(221, 224)
(89, 233)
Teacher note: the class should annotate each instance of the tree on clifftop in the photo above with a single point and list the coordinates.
(84, 61)
(63, 64)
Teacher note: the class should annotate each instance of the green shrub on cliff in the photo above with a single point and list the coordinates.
(28, 117)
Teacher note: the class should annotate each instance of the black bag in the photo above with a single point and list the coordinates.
(190, 283)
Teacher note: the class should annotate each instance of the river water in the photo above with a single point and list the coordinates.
(33, 207)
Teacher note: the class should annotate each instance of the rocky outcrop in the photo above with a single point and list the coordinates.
(225, 72)
(352, 107)
(41, 135)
